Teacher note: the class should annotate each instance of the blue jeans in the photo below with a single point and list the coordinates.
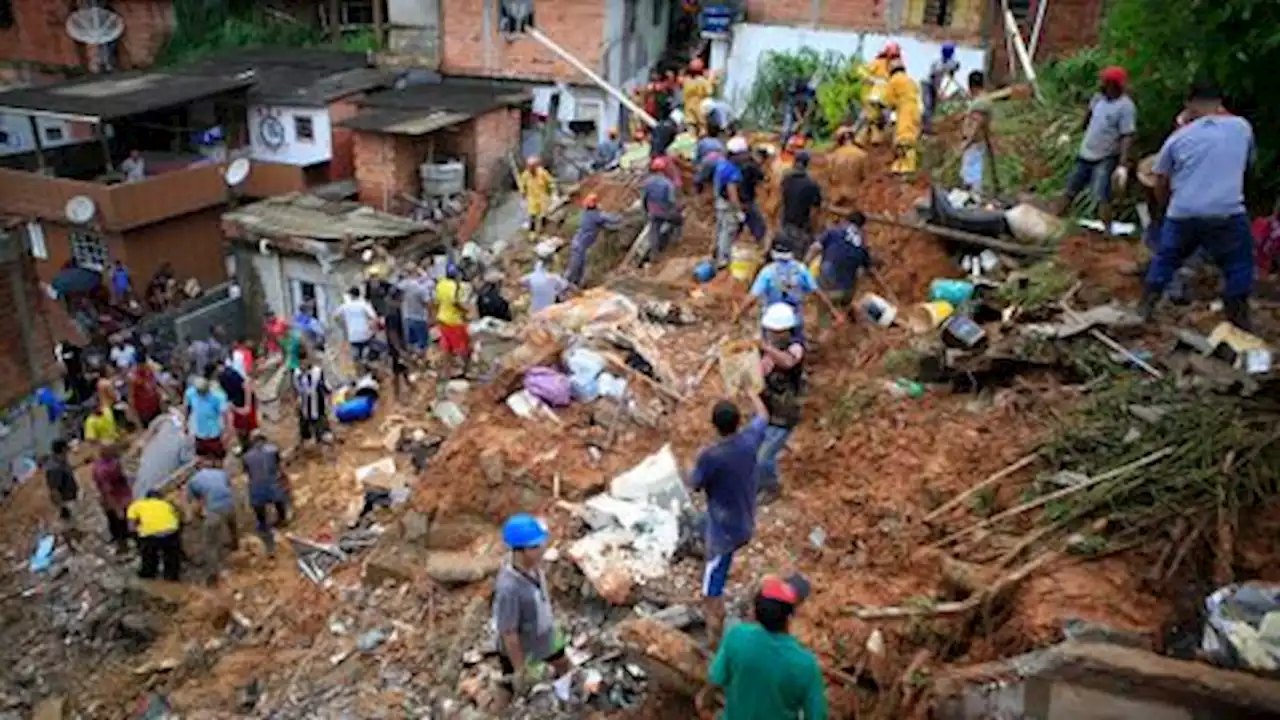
(416, 333)
(775, 441)
(577, 269)
(1093, 174)
(755, 222)
(1227, 240)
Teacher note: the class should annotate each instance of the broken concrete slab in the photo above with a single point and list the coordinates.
(601, 511)
(656, 481)
(415, 526)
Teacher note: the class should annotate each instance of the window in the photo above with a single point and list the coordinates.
(937, 12)
(303, 129)
(89, 251)
(53, 134)
(6, 13)
(356, 12)
(35, 238)
(657, 12)
(4, 138)
(1021, 9)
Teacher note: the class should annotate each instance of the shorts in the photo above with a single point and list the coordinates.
(211, 448)
(1093, 174)
(716, 574)
(416, 334)
(247, 422)
(455, 340)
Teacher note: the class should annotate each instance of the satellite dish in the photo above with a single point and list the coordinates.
(80, 209)
(236, 172)
(95, 26)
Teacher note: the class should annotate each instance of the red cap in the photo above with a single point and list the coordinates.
(792, 590)
(591, 200)
(658, 164)
(1114, 74)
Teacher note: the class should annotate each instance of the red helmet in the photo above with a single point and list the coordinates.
(796, 142)
(658, 164)
(891, 50)
(696, 66)
(591, 200)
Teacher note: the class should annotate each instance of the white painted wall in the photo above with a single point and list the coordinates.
(619, 55)
(280, 275)
(751, 42)
(16, 138)
(293, 151)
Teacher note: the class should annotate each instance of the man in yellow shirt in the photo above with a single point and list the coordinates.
(100, 427)
(875, 78)
(158, 525)
(537, 186)
(697, 87)
(451, 317)
(902, 95)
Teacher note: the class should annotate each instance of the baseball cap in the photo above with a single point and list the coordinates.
(792, 590)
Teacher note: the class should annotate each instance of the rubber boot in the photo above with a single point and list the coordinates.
(1237, 312)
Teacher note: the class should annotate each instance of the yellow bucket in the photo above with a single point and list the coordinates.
(929, 316)
(744, 261)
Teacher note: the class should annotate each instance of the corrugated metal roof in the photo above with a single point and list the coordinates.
(426, 108)
(300, 215)
(116, 95)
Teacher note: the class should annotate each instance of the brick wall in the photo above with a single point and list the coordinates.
(1069, 25)
(386, 166)
(342, 161)
(192, 243)
(497, 133)
(39, 37)
(16, 381)
(855, 14)
(577, 25)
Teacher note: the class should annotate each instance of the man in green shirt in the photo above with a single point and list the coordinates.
(765, 673)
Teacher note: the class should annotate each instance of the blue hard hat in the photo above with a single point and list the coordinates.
(704, 271)
(523, 530)
(948, 49)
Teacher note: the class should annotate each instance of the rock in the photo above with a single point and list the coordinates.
(678, 617)
(371, 639)
(415, 526)
(138, 628)
(614, 585)
(449, 413)
(493, 465)
(460, 568)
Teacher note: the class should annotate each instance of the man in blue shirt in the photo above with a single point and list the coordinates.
(785, 280)
(726, 472)
(608, 152)
(210, 487)
(1199, 176)
(592, 221)
(207, 411)
(730, 211)
(659, 199)
(706, 155)
(1102, 162)
(844, 255)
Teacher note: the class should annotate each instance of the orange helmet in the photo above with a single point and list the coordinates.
(658, 164)
(533, 161)
(696, 66)
(891, 50)
(591, 200)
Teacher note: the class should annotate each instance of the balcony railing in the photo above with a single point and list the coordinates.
(135, 204)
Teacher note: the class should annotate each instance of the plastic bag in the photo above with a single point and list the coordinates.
(548, 385)
(1242, 627)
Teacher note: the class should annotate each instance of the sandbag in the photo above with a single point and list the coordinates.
(1030, 224)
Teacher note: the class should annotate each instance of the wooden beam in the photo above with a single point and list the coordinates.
(35, 135)
(379, 23)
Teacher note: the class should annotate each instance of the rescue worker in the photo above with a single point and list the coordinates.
(763, 670)
(157, 525)
(731, 212)
(593, 221)
(799, 106)
(697, 87)
(664, 133)
(718, 115)
(1200, 185)
(847, 162)
(782, 355)
(875, 76)
(942, 76)
(844, 255)
(786, 280)
(528, 639)
(707, 153)
(801, 198)
(537, 186)
(726, 472)
(545, 287)
(902, 95)
(1103, 161)
(608, 152)
(795, 144)
(659, 198)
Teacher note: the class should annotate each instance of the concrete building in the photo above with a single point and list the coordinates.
(35, 47)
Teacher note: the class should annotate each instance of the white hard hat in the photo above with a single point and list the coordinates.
(779, 317)
(737, 144)
(677, 117)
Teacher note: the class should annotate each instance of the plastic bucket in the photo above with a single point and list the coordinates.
(354, 410)
(878, 310)
(956, 292)
(744, 261)
(929, 316)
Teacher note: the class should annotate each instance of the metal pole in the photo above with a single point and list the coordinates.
(1038, 28)
(614, 92)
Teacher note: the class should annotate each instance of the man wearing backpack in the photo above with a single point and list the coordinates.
(786, 280)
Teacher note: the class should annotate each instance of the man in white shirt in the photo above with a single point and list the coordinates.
(123, 353)
(360, 322)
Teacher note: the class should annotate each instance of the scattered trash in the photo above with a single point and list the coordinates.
(449, 413)
(371, 639)
(878, 310)
(549, 385)
(1242, 626)
(953, 292)
(42, 558)
(904, 388)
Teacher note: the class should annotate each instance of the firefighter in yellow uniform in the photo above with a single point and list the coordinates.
(875, 77)
(902, 95)
(847, 160)
(697, 87)
(537, 186)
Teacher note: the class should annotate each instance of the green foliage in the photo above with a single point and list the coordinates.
(205, 27)
(834, 77)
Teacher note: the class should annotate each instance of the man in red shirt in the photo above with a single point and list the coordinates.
(145, 396)
(115, 493)
(1266, 241)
